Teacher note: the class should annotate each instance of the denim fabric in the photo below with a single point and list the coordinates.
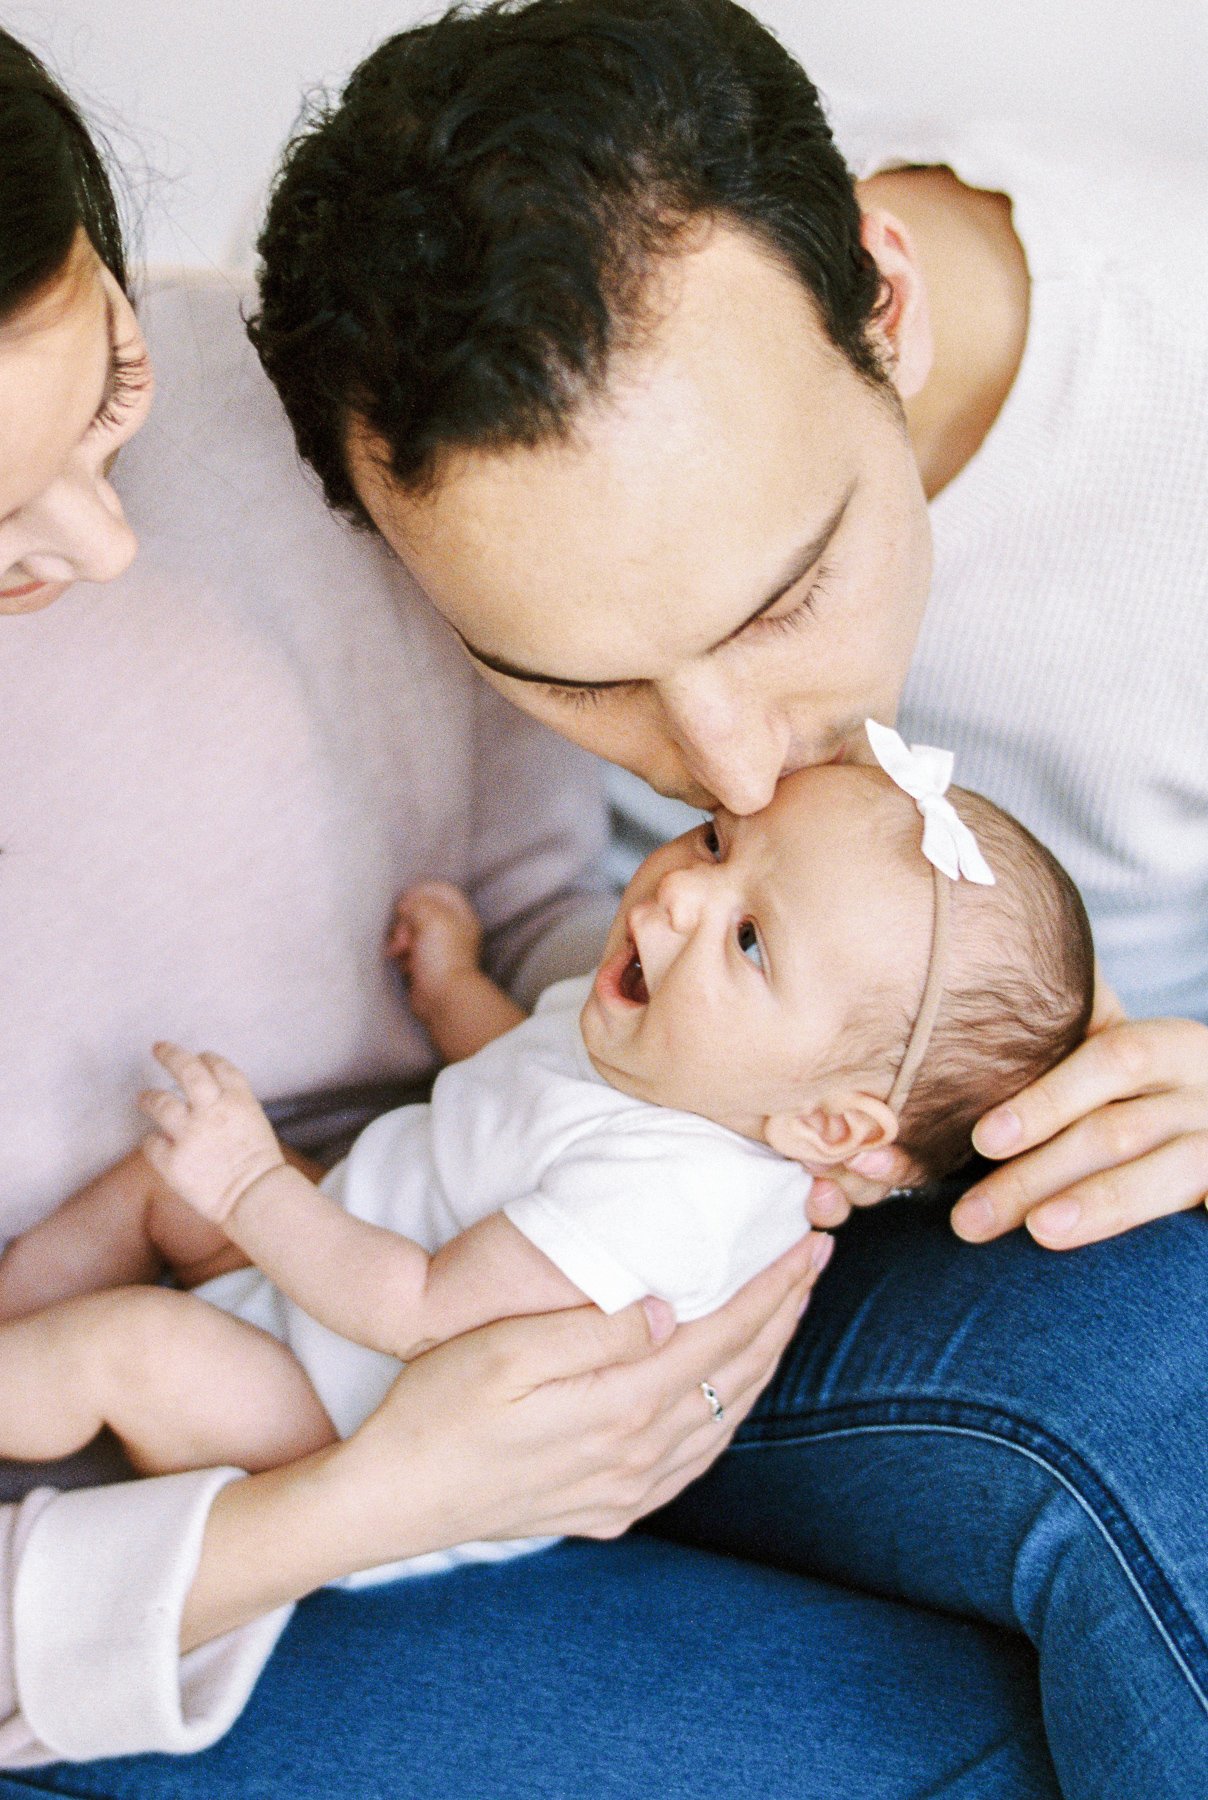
(1016, 1436)
(996, 1432)
(613, 1672)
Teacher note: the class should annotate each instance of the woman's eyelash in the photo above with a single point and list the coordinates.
(128, 377)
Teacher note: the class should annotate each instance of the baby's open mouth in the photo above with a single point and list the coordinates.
(632, 983)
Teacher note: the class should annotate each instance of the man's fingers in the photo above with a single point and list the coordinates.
(1168, 1180)
(1107, 1139)
(1106, 1008)
(864, 1181)
(1139, 1056)
(195, 1080)
(826, 1205)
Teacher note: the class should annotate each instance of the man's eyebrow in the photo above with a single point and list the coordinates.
(801, 562)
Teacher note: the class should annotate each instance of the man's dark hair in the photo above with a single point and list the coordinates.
(456, 250)
(52, 181)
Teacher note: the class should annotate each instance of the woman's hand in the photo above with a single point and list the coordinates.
(1114, 1136)
(569, 1422)
(564, 1422)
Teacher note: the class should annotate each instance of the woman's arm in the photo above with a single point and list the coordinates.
(568, 1422)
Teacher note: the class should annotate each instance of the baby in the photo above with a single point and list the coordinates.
(777, 993)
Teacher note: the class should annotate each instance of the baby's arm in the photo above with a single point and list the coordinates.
(436, 941)
(217, 1149)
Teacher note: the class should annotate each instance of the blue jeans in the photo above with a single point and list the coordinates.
(1001, 1443)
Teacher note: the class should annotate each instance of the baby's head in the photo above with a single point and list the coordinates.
(768, 972)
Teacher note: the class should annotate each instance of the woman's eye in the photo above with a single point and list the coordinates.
(129, 378)
(748, 943)
(710, 839)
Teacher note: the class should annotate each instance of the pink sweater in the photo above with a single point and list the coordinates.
(215, 775)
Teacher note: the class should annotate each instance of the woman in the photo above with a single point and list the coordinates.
(563, 1673)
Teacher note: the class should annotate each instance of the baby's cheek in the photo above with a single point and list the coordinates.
(701, 1057)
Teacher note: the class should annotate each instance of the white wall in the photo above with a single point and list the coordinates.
(200, 93)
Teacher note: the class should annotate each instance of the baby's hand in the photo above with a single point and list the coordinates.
(436, 937)
(214, 1143)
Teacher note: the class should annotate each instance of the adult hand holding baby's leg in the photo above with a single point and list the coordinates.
(213, 1140)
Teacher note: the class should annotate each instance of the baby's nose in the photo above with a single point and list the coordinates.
(681, 896)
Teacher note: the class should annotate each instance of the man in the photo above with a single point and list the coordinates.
(577, 305)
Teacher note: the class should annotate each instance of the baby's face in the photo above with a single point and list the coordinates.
(742, 951)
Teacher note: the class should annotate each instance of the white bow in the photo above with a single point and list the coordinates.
(924, 773)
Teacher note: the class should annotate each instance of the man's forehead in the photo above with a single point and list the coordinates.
(732, 380)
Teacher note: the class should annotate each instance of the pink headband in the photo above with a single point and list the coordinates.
(929, 1005)
(951, 849)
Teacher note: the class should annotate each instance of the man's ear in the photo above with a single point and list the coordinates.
(904, 326)
(837, 1128)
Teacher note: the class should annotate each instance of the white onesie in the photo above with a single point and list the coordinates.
(624, 1197)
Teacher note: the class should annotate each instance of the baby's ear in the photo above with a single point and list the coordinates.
(832, 1131)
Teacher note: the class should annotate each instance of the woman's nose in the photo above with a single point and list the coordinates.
(81, 533)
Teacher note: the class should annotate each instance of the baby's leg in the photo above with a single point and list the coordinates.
(124, 1227)
(183, 1385)
(127, 1226)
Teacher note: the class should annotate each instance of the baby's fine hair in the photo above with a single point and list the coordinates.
(1019, 991)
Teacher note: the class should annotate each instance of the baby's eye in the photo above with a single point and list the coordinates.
(710, 838)
(748, 943)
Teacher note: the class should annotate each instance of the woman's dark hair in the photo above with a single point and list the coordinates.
(455, 250)
(52, 181)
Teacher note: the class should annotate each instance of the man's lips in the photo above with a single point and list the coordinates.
(20, 593)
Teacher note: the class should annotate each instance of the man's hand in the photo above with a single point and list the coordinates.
(211, 1145)
(1114, 1136)
(436, 938)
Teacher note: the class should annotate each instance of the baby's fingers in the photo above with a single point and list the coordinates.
(229, 1079)
(166, 1110)
(196, 1081)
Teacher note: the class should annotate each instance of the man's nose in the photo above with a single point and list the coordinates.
(730, 744)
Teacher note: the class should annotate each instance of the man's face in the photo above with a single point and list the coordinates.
(722, 571)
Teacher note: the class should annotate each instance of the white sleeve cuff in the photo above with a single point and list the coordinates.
(98, 1597)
